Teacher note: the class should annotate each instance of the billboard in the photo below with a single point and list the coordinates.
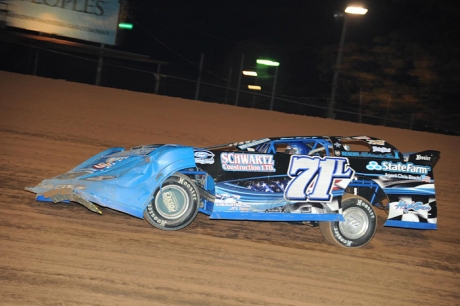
(90, 20)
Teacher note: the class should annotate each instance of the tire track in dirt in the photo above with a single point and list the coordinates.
(63, 254)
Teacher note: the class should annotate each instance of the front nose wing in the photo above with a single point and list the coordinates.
(68, 194)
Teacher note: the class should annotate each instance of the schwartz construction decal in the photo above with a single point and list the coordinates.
(247, 162)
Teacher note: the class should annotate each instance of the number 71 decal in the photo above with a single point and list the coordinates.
(313, 177)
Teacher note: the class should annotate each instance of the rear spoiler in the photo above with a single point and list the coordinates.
(427, 158)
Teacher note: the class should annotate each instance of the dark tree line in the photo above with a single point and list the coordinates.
(413, 70)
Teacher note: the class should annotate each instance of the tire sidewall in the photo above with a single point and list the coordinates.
(182, 188)
(366, 237)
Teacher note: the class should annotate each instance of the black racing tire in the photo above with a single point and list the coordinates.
(359, 226)
(174, 204)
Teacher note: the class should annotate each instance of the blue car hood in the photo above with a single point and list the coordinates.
(117, 178)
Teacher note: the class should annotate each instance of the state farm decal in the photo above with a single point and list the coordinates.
(398, 167)
(247, 162)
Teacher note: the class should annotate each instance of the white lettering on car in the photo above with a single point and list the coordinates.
(313, 177)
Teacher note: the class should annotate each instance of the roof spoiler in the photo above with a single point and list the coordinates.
(427, 158)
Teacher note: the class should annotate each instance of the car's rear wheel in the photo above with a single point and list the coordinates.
(174, 204)
(359, 226)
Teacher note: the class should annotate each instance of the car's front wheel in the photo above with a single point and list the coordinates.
(359, 226)
(174, 204)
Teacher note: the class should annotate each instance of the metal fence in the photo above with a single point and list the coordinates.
(207, 86)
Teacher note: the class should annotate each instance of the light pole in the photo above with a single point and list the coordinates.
(275, 64)
(349, 10)
(239, 80)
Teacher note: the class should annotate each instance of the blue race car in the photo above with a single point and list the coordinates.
(333, 182)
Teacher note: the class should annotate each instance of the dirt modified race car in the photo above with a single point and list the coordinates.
(333, 182)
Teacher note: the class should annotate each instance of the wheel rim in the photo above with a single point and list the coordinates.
(356, 223)
(172, 202)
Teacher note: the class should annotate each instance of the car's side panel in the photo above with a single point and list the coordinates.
(251, 185)
(244, 188)
(121, 180)
(406, 179)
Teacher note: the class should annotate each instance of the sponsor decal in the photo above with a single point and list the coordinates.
(313, 177)
(189, 186)
(377, 142)
(339, 236)
(102, 166)
(424, 178)
(370, 141)
(108, 162)
(361, 138)
(142, 150)
(231, 201)
(79, 187)
(234, 206)
(170, 201)
(226, 199)
(422, 157)
(367, 207)
(247, 162)
(412, 207)
(398, 167)
(364, 154)
(380, 149)
(157, 219)
(204, 157)
(92, 20)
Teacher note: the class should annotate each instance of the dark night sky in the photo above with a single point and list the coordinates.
(180, 30)
(173, 29)
(291, 31)
(205, 26)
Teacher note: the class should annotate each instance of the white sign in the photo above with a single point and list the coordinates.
(91, 20)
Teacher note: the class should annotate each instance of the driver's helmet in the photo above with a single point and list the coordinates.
(296, 148)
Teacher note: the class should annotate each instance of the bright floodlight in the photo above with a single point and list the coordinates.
(125, 25)
(249, 73)
(356, 10)
(267, 62)
(254, 87)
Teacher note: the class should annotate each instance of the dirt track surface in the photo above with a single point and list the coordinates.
(63, 254)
